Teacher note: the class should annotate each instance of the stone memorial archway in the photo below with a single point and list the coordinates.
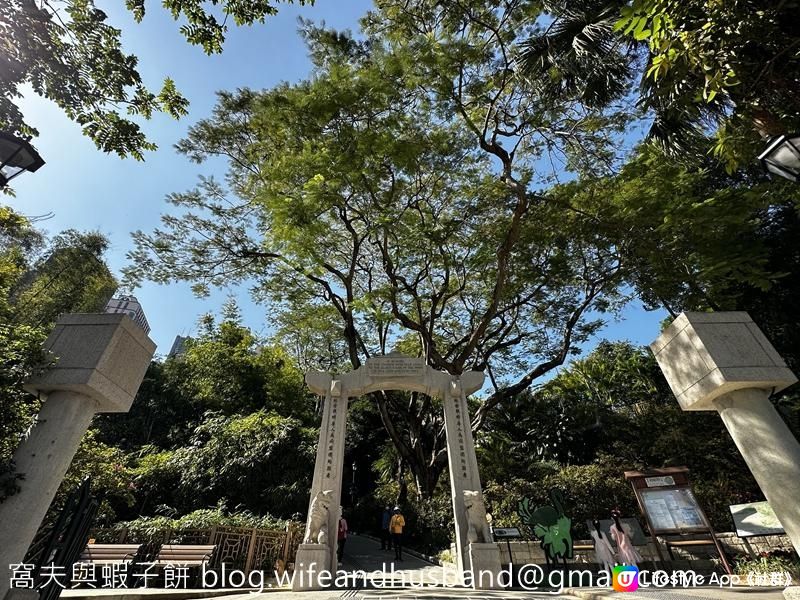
(477, 553)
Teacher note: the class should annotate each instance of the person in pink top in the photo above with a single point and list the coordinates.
(341, 537)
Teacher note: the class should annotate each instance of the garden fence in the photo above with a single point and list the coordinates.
(244, 548)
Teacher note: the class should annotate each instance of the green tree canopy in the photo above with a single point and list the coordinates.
(696, 238)
(70, 277)
(603, 414)
(258, 462)
(721, 70)
(690, 237)
(20, 344)
(39, 280)
(68, 52)
(225, 369)
(381, 192)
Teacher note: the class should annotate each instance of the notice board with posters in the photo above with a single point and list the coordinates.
(670, 507)
(667, 501)
(673, 509)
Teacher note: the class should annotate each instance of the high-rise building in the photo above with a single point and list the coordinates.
(178, 346)
(131, 307)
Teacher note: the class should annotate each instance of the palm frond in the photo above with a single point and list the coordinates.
(579, 55)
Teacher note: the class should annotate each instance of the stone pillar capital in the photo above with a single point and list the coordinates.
(706, 355)
(101, 356)
(319, 382)
(100, 360)
(723, 362)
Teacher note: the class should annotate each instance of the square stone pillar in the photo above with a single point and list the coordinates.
(318, 552)
(706, 355)
(723, 362)
(476, 551)
(100, 361)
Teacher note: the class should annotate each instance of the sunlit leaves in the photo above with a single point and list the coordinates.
(363, 208)
(718, 65)
(75, 58)
(691, 237)
(69, 53)
(206, 20)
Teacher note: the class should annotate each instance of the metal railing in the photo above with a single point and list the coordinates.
(59, 545)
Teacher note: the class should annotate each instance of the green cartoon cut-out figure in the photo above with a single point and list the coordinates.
(550, 525)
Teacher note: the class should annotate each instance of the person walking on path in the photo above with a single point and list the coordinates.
(396, 525)
(341, 538)
(386, 536)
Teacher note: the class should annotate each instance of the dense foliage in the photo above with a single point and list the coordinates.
(148, 528)
(712, 77)
(68, 52)
(604, 414)
(376, 202)
(225, 423)
(40, 278)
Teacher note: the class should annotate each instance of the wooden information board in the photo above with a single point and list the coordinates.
(672, 510)
(670, 507)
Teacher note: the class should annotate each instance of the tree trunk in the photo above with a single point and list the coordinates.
(414, 432)
(427, 478)
(402, 492)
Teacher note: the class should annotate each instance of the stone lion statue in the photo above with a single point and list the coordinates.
(317, 528)
(476, 516)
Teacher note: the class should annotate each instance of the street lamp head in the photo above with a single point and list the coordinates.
(782, 157)
(16, 155)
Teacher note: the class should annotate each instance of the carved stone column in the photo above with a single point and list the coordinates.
(317, 553)
(478, 555)
(476, 550)
(722, 361)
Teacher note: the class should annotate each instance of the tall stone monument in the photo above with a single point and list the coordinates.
(476, 551)
(722, 361)
(100, 361)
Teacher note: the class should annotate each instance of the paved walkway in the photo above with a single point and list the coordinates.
(362, 554)
(417, 579)
(434, 593)
(463, 594)
(698, 593)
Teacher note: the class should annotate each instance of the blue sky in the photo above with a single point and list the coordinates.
(86, 189)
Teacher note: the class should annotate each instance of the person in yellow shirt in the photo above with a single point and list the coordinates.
(396, 524)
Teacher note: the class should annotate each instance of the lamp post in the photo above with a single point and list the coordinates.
(16, 155)
(782, 157)
(353, 486)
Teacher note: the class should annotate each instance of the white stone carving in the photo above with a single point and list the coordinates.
(395, 364)
(317, 530)
(476, 517)
(397, 372)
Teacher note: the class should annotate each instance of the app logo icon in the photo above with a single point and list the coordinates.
(625, 578)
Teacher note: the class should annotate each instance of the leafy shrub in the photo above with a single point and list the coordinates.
(149, 528)
(446, 556)
(767, 563)
(591, 491)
